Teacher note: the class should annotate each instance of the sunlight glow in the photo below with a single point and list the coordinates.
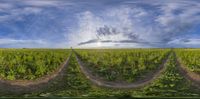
(98, 43)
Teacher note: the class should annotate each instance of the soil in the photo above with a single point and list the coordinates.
(55, 79)
(189, 75)
(139, 83)
(18, 87)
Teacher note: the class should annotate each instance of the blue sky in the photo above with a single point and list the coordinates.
(99, 23)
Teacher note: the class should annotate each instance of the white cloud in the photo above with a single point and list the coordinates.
(41, 3)
(175, 19)
(15, 41)
(118, 19)
(37, 43)
(177, 12)
(88, 24)
(46, 3)
(27, 7)
(161, 23)
(190, 41)
(113, 45)
(16, 14)
(4, 6)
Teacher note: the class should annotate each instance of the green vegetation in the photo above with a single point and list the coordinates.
(124, 64)
(30, 64)
(190, 58)
(75, 84)
(170, 83)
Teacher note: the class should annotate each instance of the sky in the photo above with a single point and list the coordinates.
(99, 23)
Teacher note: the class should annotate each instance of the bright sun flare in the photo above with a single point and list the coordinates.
(98, 43)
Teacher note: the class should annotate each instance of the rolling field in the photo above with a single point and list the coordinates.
(100, 72)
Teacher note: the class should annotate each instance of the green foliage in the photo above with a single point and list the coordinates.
(190, 58)
(30, 63)
(169, 84)
(110, 64)
(123, 64)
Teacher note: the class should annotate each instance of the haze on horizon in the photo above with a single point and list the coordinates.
(99, 23)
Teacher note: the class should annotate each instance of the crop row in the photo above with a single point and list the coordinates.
(190, 58)
(30, 63)
(122, 65)
(170, 83)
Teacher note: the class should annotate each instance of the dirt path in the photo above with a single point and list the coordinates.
(38, 85)
(98, 81)
(195, 78)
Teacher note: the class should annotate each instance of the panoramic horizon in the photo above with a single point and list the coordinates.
(99, 48)
(100, 24)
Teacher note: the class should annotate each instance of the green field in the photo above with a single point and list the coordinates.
(119, 66)
(30, 64)
(191, 59)
(125, 65)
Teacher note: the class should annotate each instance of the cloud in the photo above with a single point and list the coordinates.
(105, 31)
(157, 26)
(41, 3)
(10, 12)
(19, 13)
(4, 6)
(185, 42)
(115, 26)
(10, 42)
(182, 41)
(18, 9)
(30, 43)
(37, 3)
(113, 41)
(14, 41)
(138, 23)
(32, 19)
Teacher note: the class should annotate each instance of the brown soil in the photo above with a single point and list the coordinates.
(189, 75)
(139, 83)
(38, 85)
(55, 79)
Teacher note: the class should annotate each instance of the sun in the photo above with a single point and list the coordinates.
(98, 43)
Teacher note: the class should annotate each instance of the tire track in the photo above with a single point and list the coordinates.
(191, 76)
(19, 87)
(140, 83)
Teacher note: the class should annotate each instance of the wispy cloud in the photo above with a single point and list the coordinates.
(26, 23)
(115, 25)
(41, 3)
(11, 12)
(17, 9)
(5, 6)
(14, 41)
(11, 42)
(138, 23)
(185, 42)
(164, 22)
